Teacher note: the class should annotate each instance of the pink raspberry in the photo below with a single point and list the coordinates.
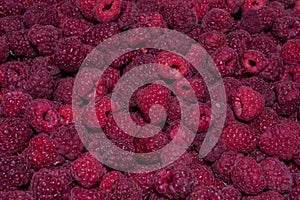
(217, 20)
(226, 60)
(286, 28)
(289, 52)
(107, 10)
(78, 193)
(109, 179)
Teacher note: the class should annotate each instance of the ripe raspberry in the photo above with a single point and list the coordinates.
(280, 141)
(63, 91)
(67, 9)
(42, 152)
(87, 170)
(231, 87)
(267, 17)
(247, 104)
(288, 92)
(151, 20)
(286, 28)
(66, 114)
(266, 119)
(270, 195)
(87, 8)
(67, 141)
(285, 109)
(125, 189)
(203, 175)
(14, 74)
(212, 41)
(205, 193)
(231, 193)
(40, 63)
(253, 4)
(175, 181)
(156, 196)
(14, 104)
(129, 15)
(195, 32)
(95, 35)
(203, 115)
(274, 70)
(200, 8)
(149, 6)
(238, 40)
(217, 20)
(292, 72)
(250, 22)
(16, 195)
(44, 38)
(4, 50)
(78, 193)
(289, 52)
(9, 7)
(254, 61)
(248, 176)
(111, 77)
(75, 27)
(263, 44)
(14, 172)
(226, 60)
(69, 54)
(145, 181)
(51, 184)
(278, 176)
(109, 179)
(14, 135)
(11, 23)
(107, 10)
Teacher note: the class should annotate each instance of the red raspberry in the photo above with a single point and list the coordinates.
(286, 28)
(4, 51)
(275, 69)
(11, 23)
(280, 141)
(267, 17)
(87, 170)
(103, 108)
(263, 44)
(231, 87)
(51, 184)
(292, 72)
(109, 179)
(270, 195)
(278, 8)
(266, 119)
(125, 189)
(294, 194)
(212, 41)
(226, 60)
(128, 15)
(151, 20)
(195, 32)
(248, 176)
(247, 104)
(203, 115)
(205, 193)
(16, 195)
(238, 40)
(254, 61)
(145, 181)
(203, 175)
(288, 92)
(14, 135)
(199, 7)
(253, 4)
(250, 22)
(278, 176)
(10, 8)
(107, 10)
(64, 90)
(217, 20)
(78, 193)
(75, 27)
(45, 63)
(289, 52)
(149, 6)
(87, 7)
(66, 114)
(67, 9)
(231, 193)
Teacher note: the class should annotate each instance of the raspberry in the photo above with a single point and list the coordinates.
(212, 41)
(280, 141)
(15, 172)
(107, 10)
(285, 110)
(226, 60)
(46, 63)
(95, 35)
(195, 32)
(247, 104)
(87, 8)
(145, 182)
(266, 119)
(11, 23)
(238, 40)
(75, 27)
(128, 15)
(19, 43)
(274, 70)
(67, 9)
(78, 193)
(14, 135)
(63, 91)
(139, 60)
(203, 176)
(204, 112)
(51, 184)
(288, 92)
(254, 61)
(231, 87)
(205, 193)
(263, 44)
(87, 170)
(125, 189)
(112, 76)
(231, 193)
(250, 21)
(42, 14)
(267, 17)
(253, 4)
(151, 20)
(278, 8)
(291, 72)
(277, 175)
(67, 141)
(69, 54)
(9, 7)
(286, 28)
(240, 137)
(16, 195)
(44, 38)
(156, 196)
(4, 51)
(200, 8)
(175, 181)
(149, 6)
(270, 195)
(248, 176)
(217, 20)
(109, 179)
(14, 104)
(42, 152)
(289, 52)
(66, 114)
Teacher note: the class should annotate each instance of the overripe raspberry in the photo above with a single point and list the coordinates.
(42, 14)
(14, 104)
(277, 175)
(9, 7)
(270, 195)
(231, 193)
(68, 142)
(212, 41)
(11, 23)
(238, 40)
(14, 172)
(107, 10)
(125, 189)
(75, 27)
(41, 152)
(78, 193)
(42, 115)
(175, 181)
(4, 50)
(247, 103)
(14, 135)
(151, 20)
(253, 4)
(53, 183)
(250, 22)
(274, 70)
(205, 193)
(44, 38)
(248, 176)
(289, 52)
(16, 195)
(95, 35)
(217, 20)
(87, 170)
(109, 179)
(226, 60)
(63, 91)
(288, 92)
(266, 119)
(280, 141)
(128, 15)
(286, 28)
(263, 44)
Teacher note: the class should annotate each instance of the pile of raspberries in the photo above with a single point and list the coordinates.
(255, 44)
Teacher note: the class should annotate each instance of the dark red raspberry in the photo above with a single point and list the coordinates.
(125, 188)
(67, 9)
(69, 54)
(111, 77)
(42, 152)
(247, 103)
(289, 52)
(253, 4)
(75, 27)
(149, 6)
(267, 17)
(270, 195)
(109, 179)
(205, 193)
(294, 194)
(238, 40)
(87, 170)
(64, 90)
(175, 181)
(266, 119)
(78, 193)
(296, 8)
(14, 135)
(203, 175)
(87, 8)
(107, 10)
(200, 8)
(231, 193)
(151, 20)
(278, 176)
(279, 140)
(195, 32)
(250, 22)
(226, 60)
(9, 7)
(19, 43)
(44, 38)
(14, 104)
(286, 28)
(16, 195)
(51, 184)
(139, 60)
(4, 50)
(264, 44)
(40, 63)
(288, 92)
(285, 109)
(248, 176)
(14, 172)
(95, 35)
(217, 20)
(212, 41)
(254, 61)
(231, 87)
(278, 8)
(66, 114)
(67, 141)
(128, 15)
(42, 115)
(145, 182)
(198, 120)
(292, 72)
(274, 70)
(11, 23)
